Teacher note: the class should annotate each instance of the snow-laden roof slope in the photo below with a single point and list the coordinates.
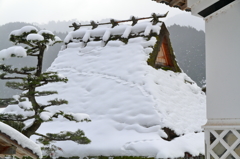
(129, 102)
(20, 139)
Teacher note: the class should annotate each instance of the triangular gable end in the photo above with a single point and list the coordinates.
(163, 56)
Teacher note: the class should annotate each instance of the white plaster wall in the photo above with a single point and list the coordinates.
(223, 63)
(199, 5)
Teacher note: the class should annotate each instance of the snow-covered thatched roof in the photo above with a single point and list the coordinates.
(132, 105)
(24, 146)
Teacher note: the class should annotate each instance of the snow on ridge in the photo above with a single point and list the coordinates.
(105, 32)
(21, 139)
(129, 102)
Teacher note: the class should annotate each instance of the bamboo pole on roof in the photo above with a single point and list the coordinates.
(116, 22)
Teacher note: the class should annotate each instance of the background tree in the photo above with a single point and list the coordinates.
(34, 43)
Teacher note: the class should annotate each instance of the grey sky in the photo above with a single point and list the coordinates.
(42, 11)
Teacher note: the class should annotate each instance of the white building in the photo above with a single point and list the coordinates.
(223, 76)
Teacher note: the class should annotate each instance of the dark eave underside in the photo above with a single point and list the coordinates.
(181, 4)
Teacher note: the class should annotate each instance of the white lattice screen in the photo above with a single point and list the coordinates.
(223, 144)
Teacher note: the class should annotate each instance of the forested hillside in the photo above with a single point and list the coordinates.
(189, 47)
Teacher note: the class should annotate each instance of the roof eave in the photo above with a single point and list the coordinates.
(181, 4)
(20, 151)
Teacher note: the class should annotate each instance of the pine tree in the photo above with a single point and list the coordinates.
(35, 44)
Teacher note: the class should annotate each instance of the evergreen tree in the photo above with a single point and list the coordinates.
(34, 43)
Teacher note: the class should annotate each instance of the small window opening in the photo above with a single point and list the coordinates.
(163, 54)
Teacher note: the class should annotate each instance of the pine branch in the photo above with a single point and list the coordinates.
(6, 101)
(48, 36)
(53, 77)
(41, 84)
(15, 117)
(45, 93)
(2, 75)
(17, 85)
(10, 78)
(23, 71)
(28, 69)
(21, 39)
(18, 125)
(32, 50)
(55, 102)
(58, 101)
(78, 137)
(45, 78)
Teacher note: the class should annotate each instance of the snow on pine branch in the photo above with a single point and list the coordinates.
(31, 34)
(25, 29)
(79, 117)
(26, 105)
(42, 32)
(14, 51)
(35, 37)
(46, 116)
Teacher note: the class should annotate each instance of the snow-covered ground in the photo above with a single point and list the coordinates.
(128, 101)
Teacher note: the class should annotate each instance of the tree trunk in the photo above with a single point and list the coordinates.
(40, 60)
(31, 97)
(32, 129)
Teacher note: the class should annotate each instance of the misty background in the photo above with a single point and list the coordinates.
(188, 44)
